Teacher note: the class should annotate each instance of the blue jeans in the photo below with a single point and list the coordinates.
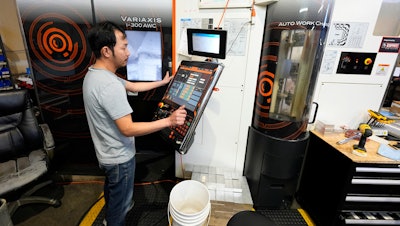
(118, 191)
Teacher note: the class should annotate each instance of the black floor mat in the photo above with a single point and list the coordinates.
(287, 217)
(151, 205)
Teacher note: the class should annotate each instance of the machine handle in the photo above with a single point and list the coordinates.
(315, 113)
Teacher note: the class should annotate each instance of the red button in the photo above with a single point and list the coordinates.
(368, 61)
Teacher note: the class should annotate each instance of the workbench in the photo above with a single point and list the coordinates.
(338, 187)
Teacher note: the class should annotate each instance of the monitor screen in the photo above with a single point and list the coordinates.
(207, 42)
(189, 85)
(145, 61)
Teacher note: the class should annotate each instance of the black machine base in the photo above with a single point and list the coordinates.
(272, 168)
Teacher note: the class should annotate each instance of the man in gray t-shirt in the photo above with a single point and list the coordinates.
(108, 102)
(109, 117)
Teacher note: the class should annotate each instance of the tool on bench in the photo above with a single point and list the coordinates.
(366, 131)
(377, 119)
(353, 137)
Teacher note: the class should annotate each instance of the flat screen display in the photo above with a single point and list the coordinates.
(188, 86)
(207, 42)
(145, 61)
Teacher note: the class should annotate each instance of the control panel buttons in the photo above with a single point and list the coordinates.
(368, 61)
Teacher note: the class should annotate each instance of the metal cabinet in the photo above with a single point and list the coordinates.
(339, 188)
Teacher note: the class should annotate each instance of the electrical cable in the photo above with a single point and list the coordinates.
(237, 36)
(80, 182)
(223, 13)
(156, 182)
(253, 12)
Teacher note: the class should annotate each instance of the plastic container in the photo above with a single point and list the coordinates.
(189, 204)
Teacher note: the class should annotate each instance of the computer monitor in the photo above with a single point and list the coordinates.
(207, 42)
(145, 61)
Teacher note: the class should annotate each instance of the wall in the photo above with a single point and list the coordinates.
(344, 99)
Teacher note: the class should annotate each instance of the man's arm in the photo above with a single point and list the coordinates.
(129, 128)
(145, 86)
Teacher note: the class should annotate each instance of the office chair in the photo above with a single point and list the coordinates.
(26, 148)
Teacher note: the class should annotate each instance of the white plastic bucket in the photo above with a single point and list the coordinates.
(189, 204)
(5, 218)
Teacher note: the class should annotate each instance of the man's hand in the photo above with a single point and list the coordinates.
(178, 117)
(167, 78)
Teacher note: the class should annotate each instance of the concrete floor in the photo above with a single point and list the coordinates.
(79, 184)
(76, 197)
(79, 195)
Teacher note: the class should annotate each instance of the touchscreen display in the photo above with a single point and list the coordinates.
(188, 86)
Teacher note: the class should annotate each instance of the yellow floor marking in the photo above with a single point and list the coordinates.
(306, 217)
(91, 216)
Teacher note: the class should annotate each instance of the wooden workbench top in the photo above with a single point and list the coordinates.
(370, 145)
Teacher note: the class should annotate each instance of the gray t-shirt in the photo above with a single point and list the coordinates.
(105, 100)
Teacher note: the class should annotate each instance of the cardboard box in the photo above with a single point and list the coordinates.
(323, 127)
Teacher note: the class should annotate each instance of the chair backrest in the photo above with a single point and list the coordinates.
(19, 129)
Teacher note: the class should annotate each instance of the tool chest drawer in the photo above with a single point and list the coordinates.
(350, 190)
(372, 186)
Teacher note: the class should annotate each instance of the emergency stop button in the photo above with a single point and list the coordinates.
(368, 61)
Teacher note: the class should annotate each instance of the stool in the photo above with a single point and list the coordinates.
(252, 218)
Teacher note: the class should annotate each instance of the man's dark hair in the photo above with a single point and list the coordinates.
(102, 35)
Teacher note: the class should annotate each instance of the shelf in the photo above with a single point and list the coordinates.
(6, 82)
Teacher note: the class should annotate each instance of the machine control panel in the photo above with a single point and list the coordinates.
(356, 63)
(191, 86)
